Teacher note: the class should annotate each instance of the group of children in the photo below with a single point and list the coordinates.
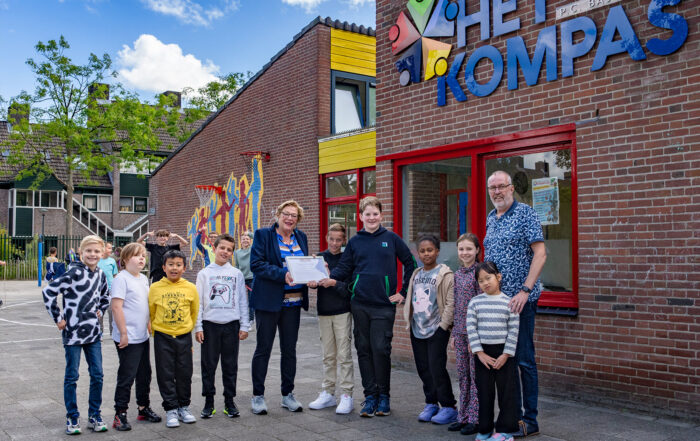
(442, 308)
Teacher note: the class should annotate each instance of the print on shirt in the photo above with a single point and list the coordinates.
(426, 315)
(221, 289)
(421, 302)
(174, 314)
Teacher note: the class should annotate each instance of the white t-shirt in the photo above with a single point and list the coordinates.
(134, 291)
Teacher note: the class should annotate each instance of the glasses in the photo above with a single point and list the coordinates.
(290, 215)
(501, 187)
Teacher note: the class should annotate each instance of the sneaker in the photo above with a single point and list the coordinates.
(208, 410)
(230, 410)
(525, 429)
(500, 437)
(96, 424)
(428, 412)
(369, 406)
(171, 418)
(456, 427)
(290, 403)
(120, 422)
(482, 436)
(73, 426)
(258, 406)
(324, 400)
(147, 414)
(184, 415)
(468, 429)
(346, 405)
(383, 408)
(446, 415)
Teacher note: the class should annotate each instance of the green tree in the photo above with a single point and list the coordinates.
(215, 94)
(67, 118)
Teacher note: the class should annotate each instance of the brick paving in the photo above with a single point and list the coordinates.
(31, 396)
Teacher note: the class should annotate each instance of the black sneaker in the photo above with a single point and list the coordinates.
(147, 414)
(468, 429)
(208, 410)
(120, 422)
(230, 410)
(455, 427)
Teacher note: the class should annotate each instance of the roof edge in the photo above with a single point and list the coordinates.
(335, 24)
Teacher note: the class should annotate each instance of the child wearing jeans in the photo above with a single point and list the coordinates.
(174, 304)
(428, 314)
(493, 336)
(131, 333)
(85, 298)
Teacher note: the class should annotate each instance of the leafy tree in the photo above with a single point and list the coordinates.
(70, 116)
(216, 93)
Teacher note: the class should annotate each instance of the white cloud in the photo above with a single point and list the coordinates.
(192, 12)
(310, 5)
(359, 3)
(154, 66)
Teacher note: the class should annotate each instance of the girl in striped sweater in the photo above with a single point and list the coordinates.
(493, 335)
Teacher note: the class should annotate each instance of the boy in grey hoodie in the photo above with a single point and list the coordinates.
(223, 321)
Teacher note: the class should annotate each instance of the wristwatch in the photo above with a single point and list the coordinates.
(526, 289)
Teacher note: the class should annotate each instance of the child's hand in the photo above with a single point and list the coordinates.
(500, 361)
(199, 336)
(61, 325)
(312, 284)
(485, 359)
(99, 314)
(396, 298)
(123, 341)
(242, 335)
(452, 343)
(327, 283)
(150, 330)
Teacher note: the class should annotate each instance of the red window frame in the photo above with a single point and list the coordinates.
(532, 141)
(326, 201)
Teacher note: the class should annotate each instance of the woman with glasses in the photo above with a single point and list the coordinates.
(277, 301)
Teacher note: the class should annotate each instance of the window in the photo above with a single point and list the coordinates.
(341, 196)
(98, 202)
(140, 205)
(126, 205)
(49, 199)
(130, 204)
(352, 102)
(23, 198)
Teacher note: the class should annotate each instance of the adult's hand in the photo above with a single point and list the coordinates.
(312, 284)
(517, 303)
(288, 279)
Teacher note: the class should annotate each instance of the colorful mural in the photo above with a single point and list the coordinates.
(234, 211)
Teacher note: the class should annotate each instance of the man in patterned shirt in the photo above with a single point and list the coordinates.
(515, 243)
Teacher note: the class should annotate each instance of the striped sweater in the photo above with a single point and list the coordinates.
(490, 322)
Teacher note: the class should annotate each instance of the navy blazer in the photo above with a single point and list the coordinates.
(266, 265)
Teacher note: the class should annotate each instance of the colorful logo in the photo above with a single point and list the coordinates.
(431, 18)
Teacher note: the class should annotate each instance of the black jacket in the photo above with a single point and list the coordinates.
(335, 300)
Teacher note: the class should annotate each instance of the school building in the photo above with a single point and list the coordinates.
(592, 107)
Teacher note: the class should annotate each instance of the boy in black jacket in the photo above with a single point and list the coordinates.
(370, 262)
(335, 324)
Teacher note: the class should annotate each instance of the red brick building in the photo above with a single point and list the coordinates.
(601, 137)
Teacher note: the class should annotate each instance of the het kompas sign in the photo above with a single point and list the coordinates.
(517, 58)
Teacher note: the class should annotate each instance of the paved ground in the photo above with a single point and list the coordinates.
(31, 396)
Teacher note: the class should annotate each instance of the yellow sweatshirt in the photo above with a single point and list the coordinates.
(174, 306)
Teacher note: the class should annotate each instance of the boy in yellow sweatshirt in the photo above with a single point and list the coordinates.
(174, 305)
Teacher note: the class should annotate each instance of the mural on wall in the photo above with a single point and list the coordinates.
(235, 209)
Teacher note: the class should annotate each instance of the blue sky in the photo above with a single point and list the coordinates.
(159, 45)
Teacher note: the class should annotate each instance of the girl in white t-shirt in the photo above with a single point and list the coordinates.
(131, 332)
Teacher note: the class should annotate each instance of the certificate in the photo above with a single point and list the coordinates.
(305, 269)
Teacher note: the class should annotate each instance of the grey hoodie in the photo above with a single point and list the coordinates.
(222, 296)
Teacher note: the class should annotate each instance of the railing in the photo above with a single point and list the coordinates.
(138, 227)
(21, 254)
(90, 220)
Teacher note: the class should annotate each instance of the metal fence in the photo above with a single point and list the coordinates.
(21, 254)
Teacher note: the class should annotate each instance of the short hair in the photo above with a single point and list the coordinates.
(290, 203)
(110, 244)
(501, 172)
(337, 227)
(430, 238)
(370, 201)
(488, 266)
(174, 254)
(53, 250)
(162, 233)
(471, 237)
(91, 239)
(224, 237)
(129, 251)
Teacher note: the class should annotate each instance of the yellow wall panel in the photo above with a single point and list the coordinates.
(352, 52)
(347, 152)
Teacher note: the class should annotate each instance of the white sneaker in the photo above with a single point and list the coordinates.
(171, 418)
(346, 405)
(324, 400)
(185, 415)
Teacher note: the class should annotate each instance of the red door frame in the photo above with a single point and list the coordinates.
(532, 141)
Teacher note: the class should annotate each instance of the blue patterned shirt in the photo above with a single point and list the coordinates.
(507, 243)
(292, 249)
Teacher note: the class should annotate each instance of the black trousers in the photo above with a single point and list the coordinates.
(373, 331)
(487, 381)
(173, 368)
(249, 287)
(134, 364)
(220, 341)
(267, 323)
(430, 355)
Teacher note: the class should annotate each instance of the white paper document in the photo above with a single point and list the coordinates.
(305, 269)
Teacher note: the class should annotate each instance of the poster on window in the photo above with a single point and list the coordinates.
(545, 200)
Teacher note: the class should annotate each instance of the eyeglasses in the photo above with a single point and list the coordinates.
(290, 215)
(501, 187)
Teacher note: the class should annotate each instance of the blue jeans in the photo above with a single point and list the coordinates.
(93, 356)
(527, 372)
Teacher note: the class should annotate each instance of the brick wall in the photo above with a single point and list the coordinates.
(636, 340)
(283, 111)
